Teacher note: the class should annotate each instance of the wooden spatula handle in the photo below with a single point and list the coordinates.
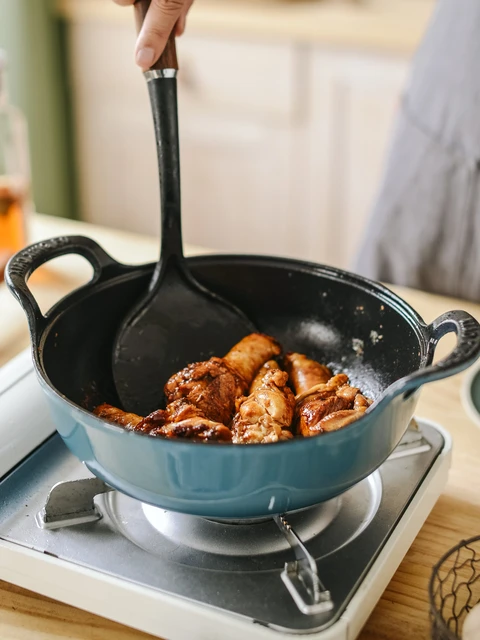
(168, 59)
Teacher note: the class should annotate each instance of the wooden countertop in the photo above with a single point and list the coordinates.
(403, 610)
(395, 26)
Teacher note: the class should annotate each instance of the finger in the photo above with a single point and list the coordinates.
(124, 3)
(182, 21)
(180, 26)
(159, 22)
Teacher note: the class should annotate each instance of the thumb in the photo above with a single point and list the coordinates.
(159, 22)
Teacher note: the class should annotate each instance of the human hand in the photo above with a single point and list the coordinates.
(162, 18)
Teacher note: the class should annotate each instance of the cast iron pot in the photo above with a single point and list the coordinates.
(353, 324)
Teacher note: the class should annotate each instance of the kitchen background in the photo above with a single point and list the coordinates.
(286, 109)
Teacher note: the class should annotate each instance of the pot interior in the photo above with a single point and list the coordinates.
(336, 318)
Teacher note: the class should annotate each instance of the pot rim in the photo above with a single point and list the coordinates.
(378, 290)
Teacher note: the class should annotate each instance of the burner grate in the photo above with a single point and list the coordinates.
(71, 503)
(301, 576)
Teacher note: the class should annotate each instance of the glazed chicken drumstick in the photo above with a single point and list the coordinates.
(267, 413)
(111, 414)
(213, 386)
(179, 420)
(305, 373)
(183, 420)
(324, 402)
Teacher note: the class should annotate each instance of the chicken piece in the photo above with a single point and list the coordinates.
(315, 405)
(330, 409)
(211, 386)
(339, 419)
(335, 385)
(214, 385)
(258, 380)
(178, 420)
(313, 410)
(348, 393)
(266, 415)
(175, 412)
(195, 429)
(361, 402)
(248, 355)
(184, 421)
(305, 373)
(117, 416)
(336, 396)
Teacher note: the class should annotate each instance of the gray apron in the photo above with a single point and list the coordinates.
(425, 227)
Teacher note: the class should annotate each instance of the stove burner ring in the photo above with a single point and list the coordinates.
(242, 545)
(253, 537)
(243, 521)
(263, 519)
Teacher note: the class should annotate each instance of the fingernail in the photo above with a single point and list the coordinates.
(145, 57)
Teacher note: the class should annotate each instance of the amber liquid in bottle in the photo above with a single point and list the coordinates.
(12, 228)
(14, 175)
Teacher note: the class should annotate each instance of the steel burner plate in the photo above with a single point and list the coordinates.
(233, 567)
(205, 544)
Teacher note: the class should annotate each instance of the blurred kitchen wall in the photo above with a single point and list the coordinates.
(286, 109)
(33, 37)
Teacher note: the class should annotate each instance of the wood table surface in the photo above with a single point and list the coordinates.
(402, 612)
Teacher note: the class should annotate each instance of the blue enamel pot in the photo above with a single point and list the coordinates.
(355, 325)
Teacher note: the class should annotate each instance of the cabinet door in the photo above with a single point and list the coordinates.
(236, 177)
(115, 145)
(237, 130)
(353, 106)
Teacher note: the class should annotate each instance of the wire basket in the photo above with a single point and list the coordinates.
(454, 589)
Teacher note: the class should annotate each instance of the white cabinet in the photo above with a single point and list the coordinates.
(354, 101)
(238, 105)
(236, 183)
(282, 144)
(115, 146)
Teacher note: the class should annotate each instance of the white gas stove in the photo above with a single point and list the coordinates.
(318, 572)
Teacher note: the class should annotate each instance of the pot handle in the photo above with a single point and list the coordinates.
(21, 266)
(465, 353)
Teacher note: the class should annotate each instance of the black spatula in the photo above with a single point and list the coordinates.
(178, 321)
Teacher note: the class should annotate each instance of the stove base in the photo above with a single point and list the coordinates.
(177, 618)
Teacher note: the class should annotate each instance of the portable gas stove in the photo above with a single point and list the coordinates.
(319, 571)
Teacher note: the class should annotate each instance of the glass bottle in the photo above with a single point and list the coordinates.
(14, 174)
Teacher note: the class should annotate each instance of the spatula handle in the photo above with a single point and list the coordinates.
(162, 88)
(168, 59)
